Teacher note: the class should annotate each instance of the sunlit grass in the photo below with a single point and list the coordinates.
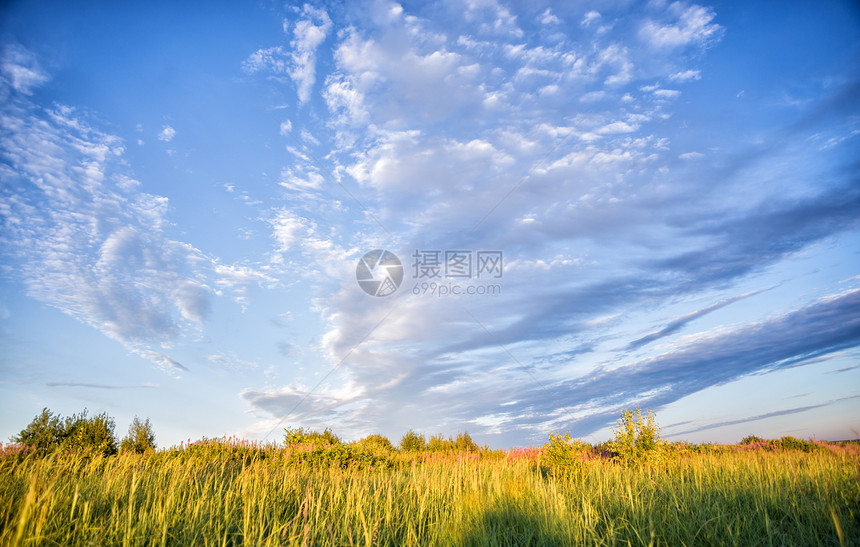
(228, 493)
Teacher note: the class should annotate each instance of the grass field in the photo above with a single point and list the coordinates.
(227, 492)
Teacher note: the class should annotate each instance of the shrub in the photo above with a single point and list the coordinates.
(300, 436)
(412, 441)
(566, 456)
(343, 456)
(140, 437)
(751, 439)
(637, 439)
(793, 443)
(221, 449)
(94, 434)
(375, 442)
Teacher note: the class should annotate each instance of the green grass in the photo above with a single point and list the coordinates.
(221, 493)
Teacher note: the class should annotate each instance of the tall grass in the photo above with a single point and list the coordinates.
(233, 494)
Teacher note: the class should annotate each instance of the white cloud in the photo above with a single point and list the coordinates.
(590, 18)
(295, 178)
(21, 70)
(666, 93)
(230, 361)
(164, 362)
(492, 17)
(617, 127)
(686, 75)
(618, 58)
(287, 228)
(273, 59)
(548, 18)
(689, 25)
(345, 102)
(691, 155)
(307, 136)
(167, 134)
(308, 34)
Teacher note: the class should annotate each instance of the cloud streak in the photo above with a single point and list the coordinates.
(679, 323)
(774, 414)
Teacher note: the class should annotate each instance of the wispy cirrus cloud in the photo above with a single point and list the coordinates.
(677, 324)
(85, 240)
(299, 63)
(766, 415)
(21, 69)
(99, 386)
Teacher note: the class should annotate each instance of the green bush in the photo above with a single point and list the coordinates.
(751, 439)
(343, 456)
(301, 436)
(376, 442)
(412, 442)
(140, 437)
(462, 443)
(637, 438)
(94, 434)
(566, 456)
(77, 433)
(793, 443)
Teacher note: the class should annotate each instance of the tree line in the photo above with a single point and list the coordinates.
(83, 433)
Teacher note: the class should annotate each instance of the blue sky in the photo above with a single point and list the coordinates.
(673, 187)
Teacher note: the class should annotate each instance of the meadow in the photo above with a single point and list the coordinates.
(230, 492)
(69, 482)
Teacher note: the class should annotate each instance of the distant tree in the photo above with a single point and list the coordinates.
(375, 441)
(751, 439)
(463, 443)
(412, 441)
(304, 436)
(77, 433)
(96, 434)
(140, 438)
(45, 433)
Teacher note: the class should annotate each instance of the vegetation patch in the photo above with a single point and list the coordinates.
(316, 489)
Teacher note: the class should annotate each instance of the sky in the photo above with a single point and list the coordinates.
(506, 218)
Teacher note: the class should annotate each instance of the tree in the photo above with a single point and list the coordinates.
(45, 433)
(377, 442)
(140, 438)
(412, 441)
(300, 435)
(96, 434)
(77, 433)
